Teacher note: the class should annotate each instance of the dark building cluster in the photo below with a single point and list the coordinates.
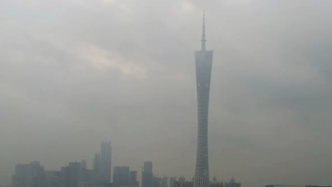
(214, 183)
(76, 174)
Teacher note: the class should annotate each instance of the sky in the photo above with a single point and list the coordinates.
(74, 73)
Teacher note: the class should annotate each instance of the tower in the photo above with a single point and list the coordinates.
(147, 175)
(203, 61)
(105, 162)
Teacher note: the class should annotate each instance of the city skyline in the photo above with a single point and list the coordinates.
(78, 174)
(73, 73)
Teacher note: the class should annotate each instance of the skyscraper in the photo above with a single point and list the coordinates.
(74, 171)
(27, 175)
(52, 178)
(133, 179)
(147, 175)
(96, 170)
(203, 61)
(121, 176)
(164, 182)
(20, 177)
(65, 177)
(105, 162)
(83, 164)
(171, 181)
(148, 166)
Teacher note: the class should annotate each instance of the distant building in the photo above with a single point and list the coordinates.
(214, 183)
(156, 181)
(183, 183)
(65, 177)
(20, 177)
(52, 179)
(105, 162)
(96, 170)
(147, 175)
(74, 171)
(69, 175)
(96, 163)
(36, 175)
(231, 183)
(171, 181)
(164, 182)
(148, 166)
(86, 176)
(133, 179)
(121, 176)
(83, 164)
(29, 175)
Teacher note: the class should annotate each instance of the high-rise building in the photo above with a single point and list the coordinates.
(96, 163)
(156, 181)
(203, 61)
(133, 179)
(105, 162)
(85, 176)
(148, 166)
(231, 183)
(29, 175)
(74, 172)
(36, 175)
(65, 178)
(183, 184)
(147, 175)
(69, 175)
(96, 170)
(83, 164)
(121, 176)
(20, 177)
(164, 182)
(52, 178)
(171, 181)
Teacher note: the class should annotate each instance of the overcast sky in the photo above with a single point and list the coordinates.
(76, 72)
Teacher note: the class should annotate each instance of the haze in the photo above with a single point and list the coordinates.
(75, 73)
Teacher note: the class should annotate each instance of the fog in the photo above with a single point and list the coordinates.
(78, 72)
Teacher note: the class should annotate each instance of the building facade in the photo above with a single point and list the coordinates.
(147, 175)
(171, 181)
(65, 177)
(164, 182)
(105, 162)
(133, 179)
(231, 183)
(203, 62)
(96, 170)
(183, 184)
(214, 183)
(52, 179)
(29, 175)
(121, 176)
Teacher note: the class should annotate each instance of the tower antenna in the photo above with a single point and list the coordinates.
(203, 48)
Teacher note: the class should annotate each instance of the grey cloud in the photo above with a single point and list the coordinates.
(270, 94)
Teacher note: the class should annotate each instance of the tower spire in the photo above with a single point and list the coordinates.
(203, 34)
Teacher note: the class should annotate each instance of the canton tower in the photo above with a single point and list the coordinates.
(203, 61)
